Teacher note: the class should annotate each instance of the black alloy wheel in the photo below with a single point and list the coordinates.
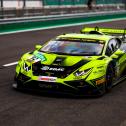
(109, 77)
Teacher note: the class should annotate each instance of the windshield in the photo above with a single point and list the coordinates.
(73, 47)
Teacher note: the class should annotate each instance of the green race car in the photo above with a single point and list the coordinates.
(86, 63)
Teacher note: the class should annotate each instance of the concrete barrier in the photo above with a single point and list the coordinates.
(48, 21)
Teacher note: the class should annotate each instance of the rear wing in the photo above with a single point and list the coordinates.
(97, 30)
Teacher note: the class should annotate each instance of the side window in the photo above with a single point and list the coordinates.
(113, 45)
(119, 43)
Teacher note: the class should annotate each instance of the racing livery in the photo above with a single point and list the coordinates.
(86, 63)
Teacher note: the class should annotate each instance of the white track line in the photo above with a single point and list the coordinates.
(10, 64)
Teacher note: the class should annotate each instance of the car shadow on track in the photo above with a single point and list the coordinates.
(57, 95)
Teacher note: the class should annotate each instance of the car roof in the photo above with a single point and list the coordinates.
(103, 37)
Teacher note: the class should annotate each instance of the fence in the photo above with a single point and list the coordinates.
(23, 8)
(41, 3)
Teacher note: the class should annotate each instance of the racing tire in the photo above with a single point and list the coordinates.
(110, 73)
(16, 85)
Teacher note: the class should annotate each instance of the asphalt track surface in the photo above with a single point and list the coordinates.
(32, 109)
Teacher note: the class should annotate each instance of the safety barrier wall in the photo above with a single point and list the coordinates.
(78, 2)
(33, 23)
(108, 1)
(64, 2)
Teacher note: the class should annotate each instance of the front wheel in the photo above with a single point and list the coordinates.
(110, 73)
(16, 85)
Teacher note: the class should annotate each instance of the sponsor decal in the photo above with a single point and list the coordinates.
(26, 67)
(47, 68)
(78, 39)
(45, 86)
(34, 59)
(47, 79)
(48, 86)
(39, 56)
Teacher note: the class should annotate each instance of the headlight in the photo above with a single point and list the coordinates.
(81, 73)
(26, 67)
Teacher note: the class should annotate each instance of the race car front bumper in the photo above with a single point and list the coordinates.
(79, 87)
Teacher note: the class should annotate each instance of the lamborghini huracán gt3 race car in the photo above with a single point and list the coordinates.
(86, 63)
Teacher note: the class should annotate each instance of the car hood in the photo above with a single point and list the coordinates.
(59, 60)
(57, 65)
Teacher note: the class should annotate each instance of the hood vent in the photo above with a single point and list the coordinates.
(59, 61)
(79, 64)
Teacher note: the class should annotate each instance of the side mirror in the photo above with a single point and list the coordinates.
(114, 56)
(37, 47)
(119, 52)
